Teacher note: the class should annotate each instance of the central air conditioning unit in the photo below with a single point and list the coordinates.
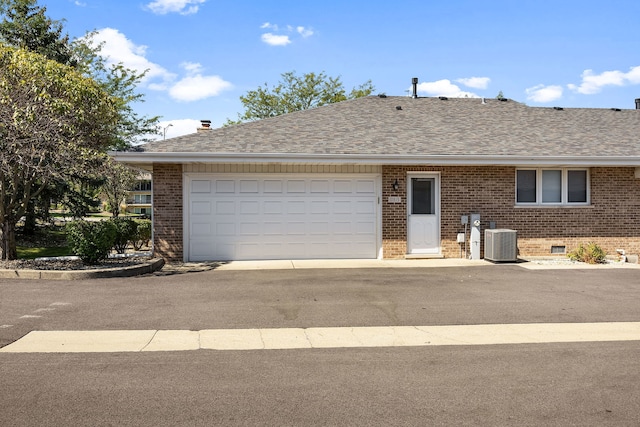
(501, 245)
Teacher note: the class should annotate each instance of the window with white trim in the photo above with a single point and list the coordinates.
(559, 186)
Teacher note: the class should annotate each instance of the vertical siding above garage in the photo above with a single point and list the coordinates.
(279, 168)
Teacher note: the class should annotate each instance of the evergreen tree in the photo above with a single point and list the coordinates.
(26, 26)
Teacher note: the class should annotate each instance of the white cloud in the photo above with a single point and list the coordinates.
(183, 7)
(195, 86)
(444, 88)
(594, 83)
(304, 32)
(275, 40)
(269, 26)
(475, 82)
(633, 76)
(542, 93)
(192, 67)
(177, 127)
(116, 48)
(284, 38)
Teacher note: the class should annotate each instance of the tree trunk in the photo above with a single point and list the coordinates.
(29, 228)
(8, 243)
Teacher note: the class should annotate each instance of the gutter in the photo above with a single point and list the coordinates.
(147, 158)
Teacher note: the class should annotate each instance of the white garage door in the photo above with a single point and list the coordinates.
(252, 217)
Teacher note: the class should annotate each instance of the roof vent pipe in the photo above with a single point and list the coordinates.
(637, 103)
(414, 83)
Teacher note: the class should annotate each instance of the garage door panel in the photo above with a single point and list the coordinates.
(201, 208)
(317, 250)
(319, 207)
(321, 228)
(342, 186)
(273, 186)
(225, 229)
(296, 228)
(201, 186)
(201, 229)
(273, 207)
(365, 227)
(249, 186)
(296, 186)
(365, 207)
(225, 207)
(201, 249)
(248, 251)
(320, 186)
(365, 187)
(296, 207)
(344, 228)
(273, 228)
(249, 229)
(269, 217)
(342, 207)
(249, 207)
(225, 186)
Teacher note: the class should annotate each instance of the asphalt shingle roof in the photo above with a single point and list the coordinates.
(424, 126)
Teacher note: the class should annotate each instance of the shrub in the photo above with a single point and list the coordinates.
(142, 236)
(91, 241)
(125, 232)
(591, 254)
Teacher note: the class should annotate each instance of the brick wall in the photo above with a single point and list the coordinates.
(612, 220)
(167, 212)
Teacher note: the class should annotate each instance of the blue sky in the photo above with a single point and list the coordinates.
(203, 54)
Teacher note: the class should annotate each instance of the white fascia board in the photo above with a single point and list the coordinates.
(142, 158)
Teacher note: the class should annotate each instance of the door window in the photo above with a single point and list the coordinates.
(423, 196)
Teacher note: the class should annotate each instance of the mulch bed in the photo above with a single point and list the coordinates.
(29, 264)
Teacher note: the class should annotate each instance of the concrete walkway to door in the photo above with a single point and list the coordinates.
(534, 264)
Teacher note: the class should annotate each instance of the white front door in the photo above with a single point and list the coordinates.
(423, 214)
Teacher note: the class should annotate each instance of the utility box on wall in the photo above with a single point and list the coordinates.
(501, 245)
(475, 236)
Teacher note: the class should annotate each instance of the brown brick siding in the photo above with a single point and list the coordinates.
(612, 220)
(167, 212)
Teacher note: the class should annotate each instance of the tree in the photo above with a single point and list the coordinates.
(121, 83)
(54, 124)
(294, 93)
(26, 26)
(119, 181)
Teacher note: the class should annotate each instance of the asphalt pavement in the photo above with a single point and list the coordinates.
(542, 383)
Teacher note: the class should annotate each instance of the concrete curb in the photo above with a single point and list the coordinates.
(106, 273)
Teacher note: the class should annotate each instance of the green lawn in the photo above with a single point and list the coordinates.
(31, 253)
(48, 241)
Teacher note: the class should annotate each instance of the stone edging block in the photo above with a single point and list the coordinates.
(132, 270)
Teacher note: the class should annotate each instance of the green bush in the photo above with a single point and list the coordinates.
(91, 241)
(126, 229)
(143, 235)
(591, 254)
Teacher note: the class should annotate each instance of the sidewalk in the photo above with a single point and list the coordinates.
(309, 338)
